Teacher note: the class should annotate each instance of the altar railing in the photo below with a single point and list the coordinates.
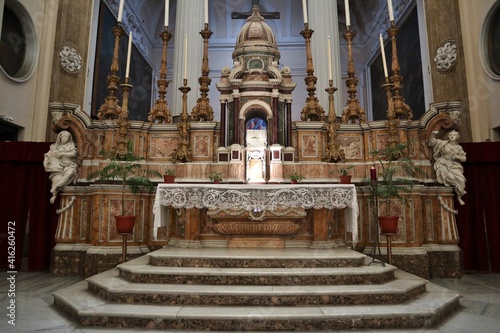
(257, 198)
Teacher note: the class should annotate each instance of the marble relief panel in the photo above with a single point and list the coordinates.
(352, 146)
(201, 145)
(162, 147)
(309, 145)
(382, 139)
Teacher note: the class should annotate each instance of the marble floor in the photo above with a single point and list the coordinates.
(479, 307)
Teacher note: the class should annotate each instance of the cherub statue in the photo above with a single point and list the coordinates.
(60, 161)
(448, 155)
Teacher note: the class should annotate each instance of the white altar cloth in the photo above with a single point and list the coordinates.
(259, 197)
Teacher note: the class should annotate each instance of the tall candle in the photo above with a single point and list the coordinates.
(120, 11)
(373, 173)
(330, 74)
(185, 56)
(166, 12)
(347, 14)
(382, 51)
(304, 10)
(127, 69)
(206, 11)
(391, 12)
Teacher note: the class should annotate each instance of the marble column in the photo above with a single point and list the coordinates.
(323, 19)
(189, 20)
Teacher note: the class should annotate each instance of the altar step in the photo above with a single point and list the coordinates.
(261, 290)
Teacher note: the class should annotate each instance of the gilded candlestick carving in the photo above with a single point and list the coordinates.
(110, 109)
(353, 111)
(202, 109)
(183, 151)
(401, 109)
(123, 123)
(160, 113)
(312, 110)
(333, 152)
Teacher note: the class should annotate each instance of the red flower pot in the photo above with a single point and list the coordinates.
(125, 224)
(345, 179)
(388, 224)
(168, 179)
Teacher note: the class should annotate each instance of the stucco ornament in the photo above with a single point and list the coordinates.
(448, 155)
(446, 56)
(60, 161)
(71, 60)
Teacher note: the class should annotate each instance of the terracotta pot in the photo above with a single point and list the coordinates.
(168, 179)
(125, 224)
(388, 224)
(216, 181)
(293, 181)
(345, 179)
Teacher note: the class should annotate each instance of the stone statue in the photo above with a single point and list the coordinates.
(60, 161)
(448, 155)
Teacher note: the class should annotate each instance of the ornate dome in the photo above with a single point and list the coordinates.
(256, 37)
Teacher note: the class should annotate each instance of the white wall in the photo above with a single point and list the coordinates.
(483, 89)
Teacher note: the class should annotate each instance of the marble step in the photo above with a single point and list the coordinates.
(423, 311)
(140, 271)
(256, 257)
(117, 290)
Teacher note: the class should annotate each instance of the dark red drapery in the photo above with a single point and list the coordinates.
(26, 192)
(479, 219)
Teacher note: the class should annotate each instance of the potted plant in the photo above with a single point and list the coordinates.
(215, 177)
(393, 160)
(129, 173)
(345, 177)
(295, 178)
(169, 176)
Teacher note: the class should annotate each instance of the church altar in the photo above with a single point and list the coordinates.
(257, 198)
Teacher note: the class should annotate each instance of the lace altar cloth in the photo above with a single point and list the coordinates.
(259, 197)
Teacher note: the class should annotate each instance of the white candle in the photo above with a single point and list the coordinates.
(391, 12)
(304, 10)
(206, 11)
(185, 56)
(166, 12)
(127, 69)
(347, 14)
(330, 74)
(382, 51)
(120, 11)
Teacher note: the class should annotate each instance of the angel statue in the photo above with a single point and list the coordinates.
(60, 161)
(448, 155)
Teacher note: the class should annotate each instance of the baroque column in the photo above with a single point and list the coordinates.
(189, 20)
(323, 19)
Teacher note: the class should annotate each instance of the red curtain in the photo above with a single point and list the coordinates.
(479, 219)
(25, 195)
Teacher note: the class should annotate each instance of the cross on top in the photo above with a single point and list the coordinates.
(266, 15)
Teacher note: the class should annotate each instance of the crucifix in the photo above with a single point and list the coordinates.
(266, 15)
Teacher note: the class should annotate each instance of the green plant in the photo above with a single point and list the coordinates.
(296, 176)
(393, 161)
(344, 170)
(128, 171)
(215, 176)
(170, 172)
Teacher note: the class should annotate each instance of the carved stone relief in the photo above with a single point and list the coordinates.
(70, 60)
(446, 56)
